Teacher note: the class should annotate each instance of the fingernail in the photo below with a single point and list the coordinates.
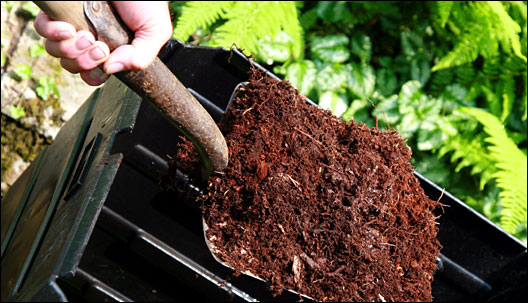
(64, 35)
(114, 68)
(97, 73)
(83, 43)
(96, 54)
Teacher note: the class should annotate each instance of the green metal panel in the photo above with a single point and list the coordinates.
(39, 208)
(60, 250)
(16, 198)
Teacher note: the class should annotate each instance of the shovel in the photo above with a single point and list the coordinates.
(157, 84)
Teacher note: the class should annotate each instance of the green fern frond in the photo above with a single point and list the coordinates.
(441, 79)
(510, 29)
(507, 89)
(525, 98)
(511, 174)
(197, 14)
(464, 52)
(492, 100)
(249, 21)
(309, 18)
(444, 10)
(469, 151)
(491, 67)
(482, 28)
(293, 28)
(465, 74)
(242, 30)
(520, 6)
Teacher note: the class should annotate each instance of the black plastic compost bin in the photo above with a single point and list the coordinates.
(88, 221)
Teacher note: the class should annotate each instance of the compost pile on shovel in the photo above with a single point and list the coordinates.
(313, 204)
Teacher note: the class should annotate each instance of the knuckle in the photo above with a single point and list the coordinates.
(59, 49)
(84, 64)
(67, 65)
(48, 46)
(141, 65)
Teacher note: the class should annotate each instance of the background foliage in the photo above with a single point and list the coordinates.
(449, 76)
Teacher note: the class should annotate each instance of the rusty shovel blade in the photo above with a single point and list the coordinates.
(215, 252)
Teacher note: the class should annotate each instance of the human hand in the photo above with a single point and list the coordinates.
(81, 53)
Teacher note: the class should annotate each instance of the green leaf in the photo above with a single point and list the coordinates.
(454, 96)
(410, 90)
(301, 75)
(17, 112)
(410, 95)
(415, 107)
(525, 97)
(510, 27)
(196, 14)
(511, 176)
(275, 50)
(386, 81)
(54, 87)
(361, 80)
(493, 101)
(46, 86)
(507, 86)
(43, 89)
(358, 110)
(36, 50)
(430, 137)
(444, 10)
(385, 62)
(248, 21)
(2, 51)
(330, 48)
(446, 125)
(336, 103)
(420, 70)
(332, 77)
(488, 204)
(409, 124)
(333, 11)
(309, 18)
(362, 47)
(456, 92)
(411, 43)
(22, 71)
(434, 169)
(387, 110)
(464, 52)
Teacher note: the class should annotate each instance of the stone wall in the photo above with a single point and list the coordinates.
(41, 119)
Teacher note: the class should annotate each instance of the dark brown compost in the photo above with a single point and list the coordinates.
(311, 203)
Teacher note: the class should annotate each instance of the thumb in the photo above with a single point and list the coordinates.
(138, 55)
(123, 58)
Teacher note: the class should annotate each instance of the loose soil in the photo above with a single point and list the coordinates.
(313, 204)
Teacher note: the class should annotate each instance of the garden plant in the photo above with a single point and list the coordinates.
(449, 76)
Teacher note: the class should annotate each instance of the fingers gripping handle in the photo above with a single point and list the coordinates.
(67, 11)
(156, 83)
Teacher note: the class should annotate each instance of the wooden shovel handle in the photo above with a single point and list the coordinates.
(156, 83)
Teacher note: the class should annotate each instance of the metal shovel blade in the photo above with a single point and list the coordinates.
(210, 245)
